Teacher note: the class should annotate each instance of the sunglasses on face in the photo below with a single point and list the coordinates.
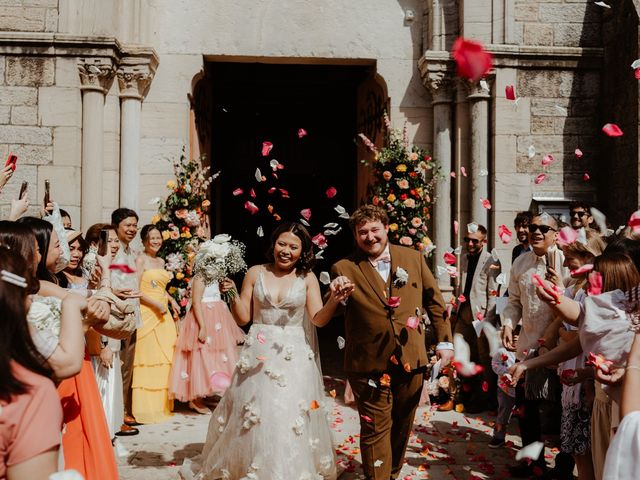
(475, 241)
(579, 214)
(544, 229)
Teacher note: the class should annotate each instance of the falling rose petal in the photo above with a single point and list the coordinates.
(486, 203)
(547, 160)
(413, 322)
(385, 380)
(252, 207)
(450, 258)
(578, 153)
(266, 148)
(261, 337)
(220, 381)
(549, 291)
(304, 222)
(260, 232)
(501, 279)
(531, 152)
(237, 191)
(453, 174)
(595, 283)
(306, 213)
(563, 111)
(636, 73)
(252, 193)
(462, 298)
(567, 236)
(600, 219)
(394, 302)
(509, 92)
(612, 130)
(325, 279)
(341, 342)
(314, 405)
(258, 175)
(636, 64)
(531, 451)
(586, 177)
(602, 4)
(484, 172)
(272, 190)
(586, 268)
(274, 175)
(634, 221)
(505, 234)
(472, 61)
(455, 226)
(540, 178)
(123, 267)
(462, 362)
(463, 171)
(472, 227)
(302, 132)
(284, 193)
(320, 241)
(331, 192)
(275, 165)
(366, 418)
(599, 362)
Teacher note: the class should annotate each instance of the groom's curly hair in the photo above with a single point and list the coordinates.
(368, 213)
(307, 258)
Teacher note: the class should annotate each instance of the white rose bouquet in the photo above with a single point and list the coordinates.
(219, 258)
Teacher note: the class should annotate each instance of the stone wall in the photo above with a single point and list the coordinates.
(29, 15)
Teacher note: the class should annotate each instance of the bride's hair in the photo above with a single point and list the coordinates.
(307, 258)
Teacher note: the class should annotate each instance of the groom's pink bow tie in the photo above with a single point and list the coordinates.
(385, 258)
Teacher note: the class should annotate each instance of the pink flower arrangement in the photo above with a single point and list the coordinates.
(416, 222)
(408, 241)
(403, 183)
(410, 203)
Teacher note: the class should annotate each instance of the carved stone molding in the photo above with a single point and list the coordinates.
(481, 90)
(96, 73)
(437, 77)
(134, 81)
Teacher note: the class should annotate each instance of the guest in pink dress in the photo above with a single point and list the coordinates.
(207, 345)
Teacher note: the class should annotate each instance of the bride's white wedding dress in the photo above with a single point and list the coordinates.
(270, 424)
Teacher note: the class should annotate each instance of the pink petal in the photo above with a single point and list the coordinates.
(252, 193)
(220, 381)
(301, 132)
(540, 178)
(455, 226)
(636, 73)
(331, 192)
(237, 191)
(586, 177)
(252, 207)
(612, 130)
(547, 159)
(505, 234)
(510, 92)
(261, 337)
(595, 283)
(586, 268)
(450, 258)
(306, 213)
(462, 298)
(567, 236)
(578, 153)
(284, 193)
(394, 302)
(413, 322)
(634, 221)
(480, 316)
(123, 267)
(486, 203)
(266, 148)
(453, 174)
(272, 190)
(463, 171)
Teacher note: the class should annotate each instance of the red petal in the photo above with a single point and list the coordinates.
(486, 203)
(301, 132)
(252, 207)
(547, 159)
(449, 258)
(510, 92)
(612, 130)
(252, 192)
(331, 192)
(636, 73)
(586, 177)
(123, 267)
(578, 153)
(472, 60)
(266, 148)
(540, 178)
(237, 191)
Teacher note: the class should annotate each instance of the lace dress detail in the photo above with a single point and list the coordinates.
(271, 423)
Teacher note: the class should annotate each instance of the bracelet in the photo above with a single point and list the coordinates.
(632, 367)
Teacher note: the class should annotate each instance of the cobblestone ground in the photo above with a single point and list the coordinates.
(443, 445)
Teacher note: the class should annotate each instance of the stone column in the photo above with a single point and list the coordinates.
(441, 92)
(479, 113)
(96, 76)
(133, 81)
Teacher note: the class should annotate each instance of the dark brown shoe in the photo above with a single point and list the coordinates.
(129, 420)
(446, 406)
(127, 431)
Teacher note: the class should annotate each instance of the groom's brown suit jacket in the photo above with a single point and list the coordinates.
(374, 331)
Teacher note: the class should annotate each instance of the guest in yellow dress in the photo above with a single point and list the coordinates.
(156, 337)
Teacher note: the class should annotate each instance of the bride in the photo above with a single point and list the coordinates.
(271, 424)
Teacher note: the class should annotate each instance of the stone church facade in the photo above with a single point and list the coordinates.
(96, 95)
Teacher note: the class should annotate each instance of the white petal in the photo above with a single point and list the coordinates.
(341, 342)
(325, 279)
(472, 227)
(501, 279)
(483, 172)
(258, 175)
(532, 151)
(331, 225)
(635, 64)
(531, 451)
(260, 231)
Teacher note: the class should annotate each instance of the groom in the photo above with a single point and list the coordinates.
(385, 354)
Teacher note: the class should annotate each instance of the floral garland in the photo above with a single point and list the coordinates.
(404, 179)
(182, 220)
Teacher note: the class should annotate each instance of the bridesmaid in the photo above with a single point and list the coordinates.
(156, 337)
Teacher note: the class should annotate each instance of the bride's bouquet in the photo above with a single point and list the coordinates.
(219, 258)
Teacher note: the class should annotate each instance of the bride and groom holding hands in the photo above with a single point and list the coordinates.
(270, 424)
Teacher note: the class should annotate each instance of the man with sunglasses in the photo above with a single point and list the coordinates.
(478, 275)
(580, 216)
(535, 316)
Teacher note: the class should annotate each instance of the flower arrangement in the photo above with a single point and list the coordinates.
(404, 179)
(219, 258)
(182, 220)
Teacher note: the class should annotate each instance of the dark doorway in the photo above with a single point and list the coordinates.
(252, 103)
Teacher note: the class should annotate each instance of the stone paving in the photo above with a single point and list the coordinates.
(443, 445)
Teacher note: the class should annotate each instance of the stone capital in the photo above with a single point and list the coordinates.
(440, 84)
(96, 73)
(134, 81)
(481, 90)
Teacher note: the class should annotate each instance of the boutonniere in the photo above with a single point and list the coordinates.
(400, 277)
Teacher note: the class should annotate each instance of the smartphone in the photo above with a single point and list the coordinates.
(11, 161)
(23, 189)
(103, 243)
(551, 261)
(47, 193)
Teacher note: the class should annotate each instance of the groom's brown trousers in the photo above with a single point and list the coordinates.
(386, 418)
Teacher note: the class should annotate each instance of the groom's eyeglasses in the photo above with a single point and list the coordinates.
(544, 229)
(475, 241)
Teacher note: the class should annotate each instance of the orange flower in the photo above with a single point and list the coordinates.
(387, 175)
(385, 380)
(314, 405)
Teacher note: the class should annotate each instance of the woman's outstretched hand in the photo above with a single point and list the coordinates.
(341, 288)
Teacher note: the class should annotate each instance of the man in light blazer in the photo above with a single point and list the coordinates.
(385, 352)
(479, 287)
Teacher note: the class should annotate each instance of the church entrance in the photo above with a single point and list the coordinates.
(311, 115)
